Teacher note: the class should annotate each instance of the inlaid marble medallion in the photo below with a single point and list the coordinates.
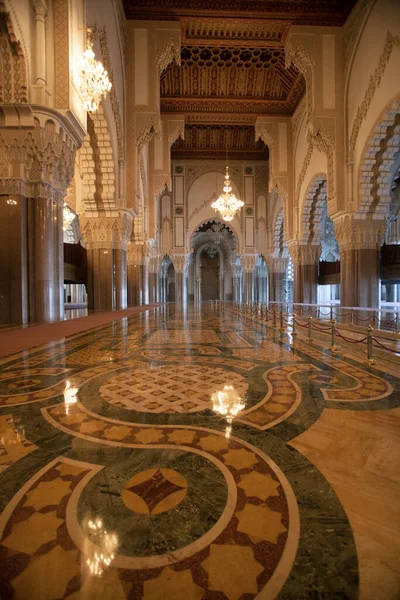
(118, 479)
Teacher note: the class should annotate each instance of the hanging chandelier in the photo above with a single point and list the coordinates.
(227, 204)
(94, 81)
(68, 217)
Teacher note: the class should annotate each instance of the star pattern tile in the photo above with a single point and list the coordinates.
(178, 585)
(260, 523)
(27, 536)
(226, 577)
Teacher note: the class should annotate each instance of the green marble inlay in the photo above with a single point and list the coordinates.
(147, 535)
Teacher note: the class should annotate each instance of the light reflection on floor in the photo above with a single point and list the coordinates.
(197, 455)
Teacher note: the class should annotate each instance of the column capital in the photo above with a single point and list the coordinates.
(155, 263)
(41, 9)
(359, 234)
(248, 262)
(179, 261)
(136, 253)
(304, 254)
(107, 231)
(37, 152)
(277, 264)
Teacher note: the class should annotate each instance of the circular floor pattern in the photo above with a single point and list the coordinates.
(169, 389)
(154, 491)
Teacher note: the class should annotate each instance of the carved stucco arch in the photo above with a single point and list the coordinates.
(378, 164)
(218, 221)
(312, 210)
(280, 247)
(13, 67)
(97, 165)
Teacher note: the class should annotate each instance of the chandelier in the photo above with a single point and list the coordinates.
(94, 81)
(227, 204)
(68, 216)
(227, 403)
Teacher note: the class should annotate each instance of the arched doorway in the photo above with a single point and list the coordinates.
(214, 256)
(167, 278)
(209, 273)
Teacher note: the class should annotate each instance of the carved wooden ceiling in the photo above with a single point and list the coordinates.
(232, 65)
(219, 142)
(301, 12)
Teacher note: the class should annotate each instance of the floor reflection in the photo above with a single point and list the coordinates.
(196, 454)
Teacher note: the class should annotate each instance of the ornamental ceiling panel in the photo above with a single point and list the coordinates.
(232, 64)
(219, 142)
(231, 79)
(300, 12)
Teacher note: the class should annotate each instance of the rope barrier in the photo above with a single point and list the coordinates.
(388, 322)
(318, 329)
(324, 326)
(363, 320)
(299, 324)
(350, 341)
(385, 347)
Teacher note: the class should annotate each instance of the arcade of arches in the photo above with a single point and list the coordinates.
(120, 473)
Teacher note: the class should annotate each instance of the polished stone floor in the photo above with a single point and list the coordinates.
(120, 479)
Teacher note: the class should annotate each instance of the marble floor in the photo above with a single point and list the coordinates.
(120, 478)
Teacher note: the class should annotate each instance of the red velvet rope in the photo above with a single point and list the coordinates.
(385, 347)
(350, 341)
(318, 329)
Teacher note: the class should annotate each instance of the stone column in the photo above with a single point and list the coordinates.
(106, 240)
(248, 266)
(135, 259)
(40, 94)
(120, 279)
(180, 263)
(37, 166)
(305, 259)
(359, 242)
(154, 263)
(277, 266)
(101, 282)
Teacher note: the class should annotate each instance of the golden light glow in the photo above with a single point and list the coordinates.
(227, 204)
(11, 202)
(105, 543)
(69, 395)
(94, 81)
(228, 404)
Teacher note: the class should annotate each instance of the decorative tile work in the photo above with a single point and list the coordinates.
(171, 337)
(162, 490)
(171, 389)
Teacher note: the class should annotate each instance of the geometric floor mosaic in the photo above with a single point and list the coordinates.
(121, 478)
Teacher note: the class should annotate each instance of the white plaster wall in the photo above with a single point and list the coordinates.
(384, 17)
